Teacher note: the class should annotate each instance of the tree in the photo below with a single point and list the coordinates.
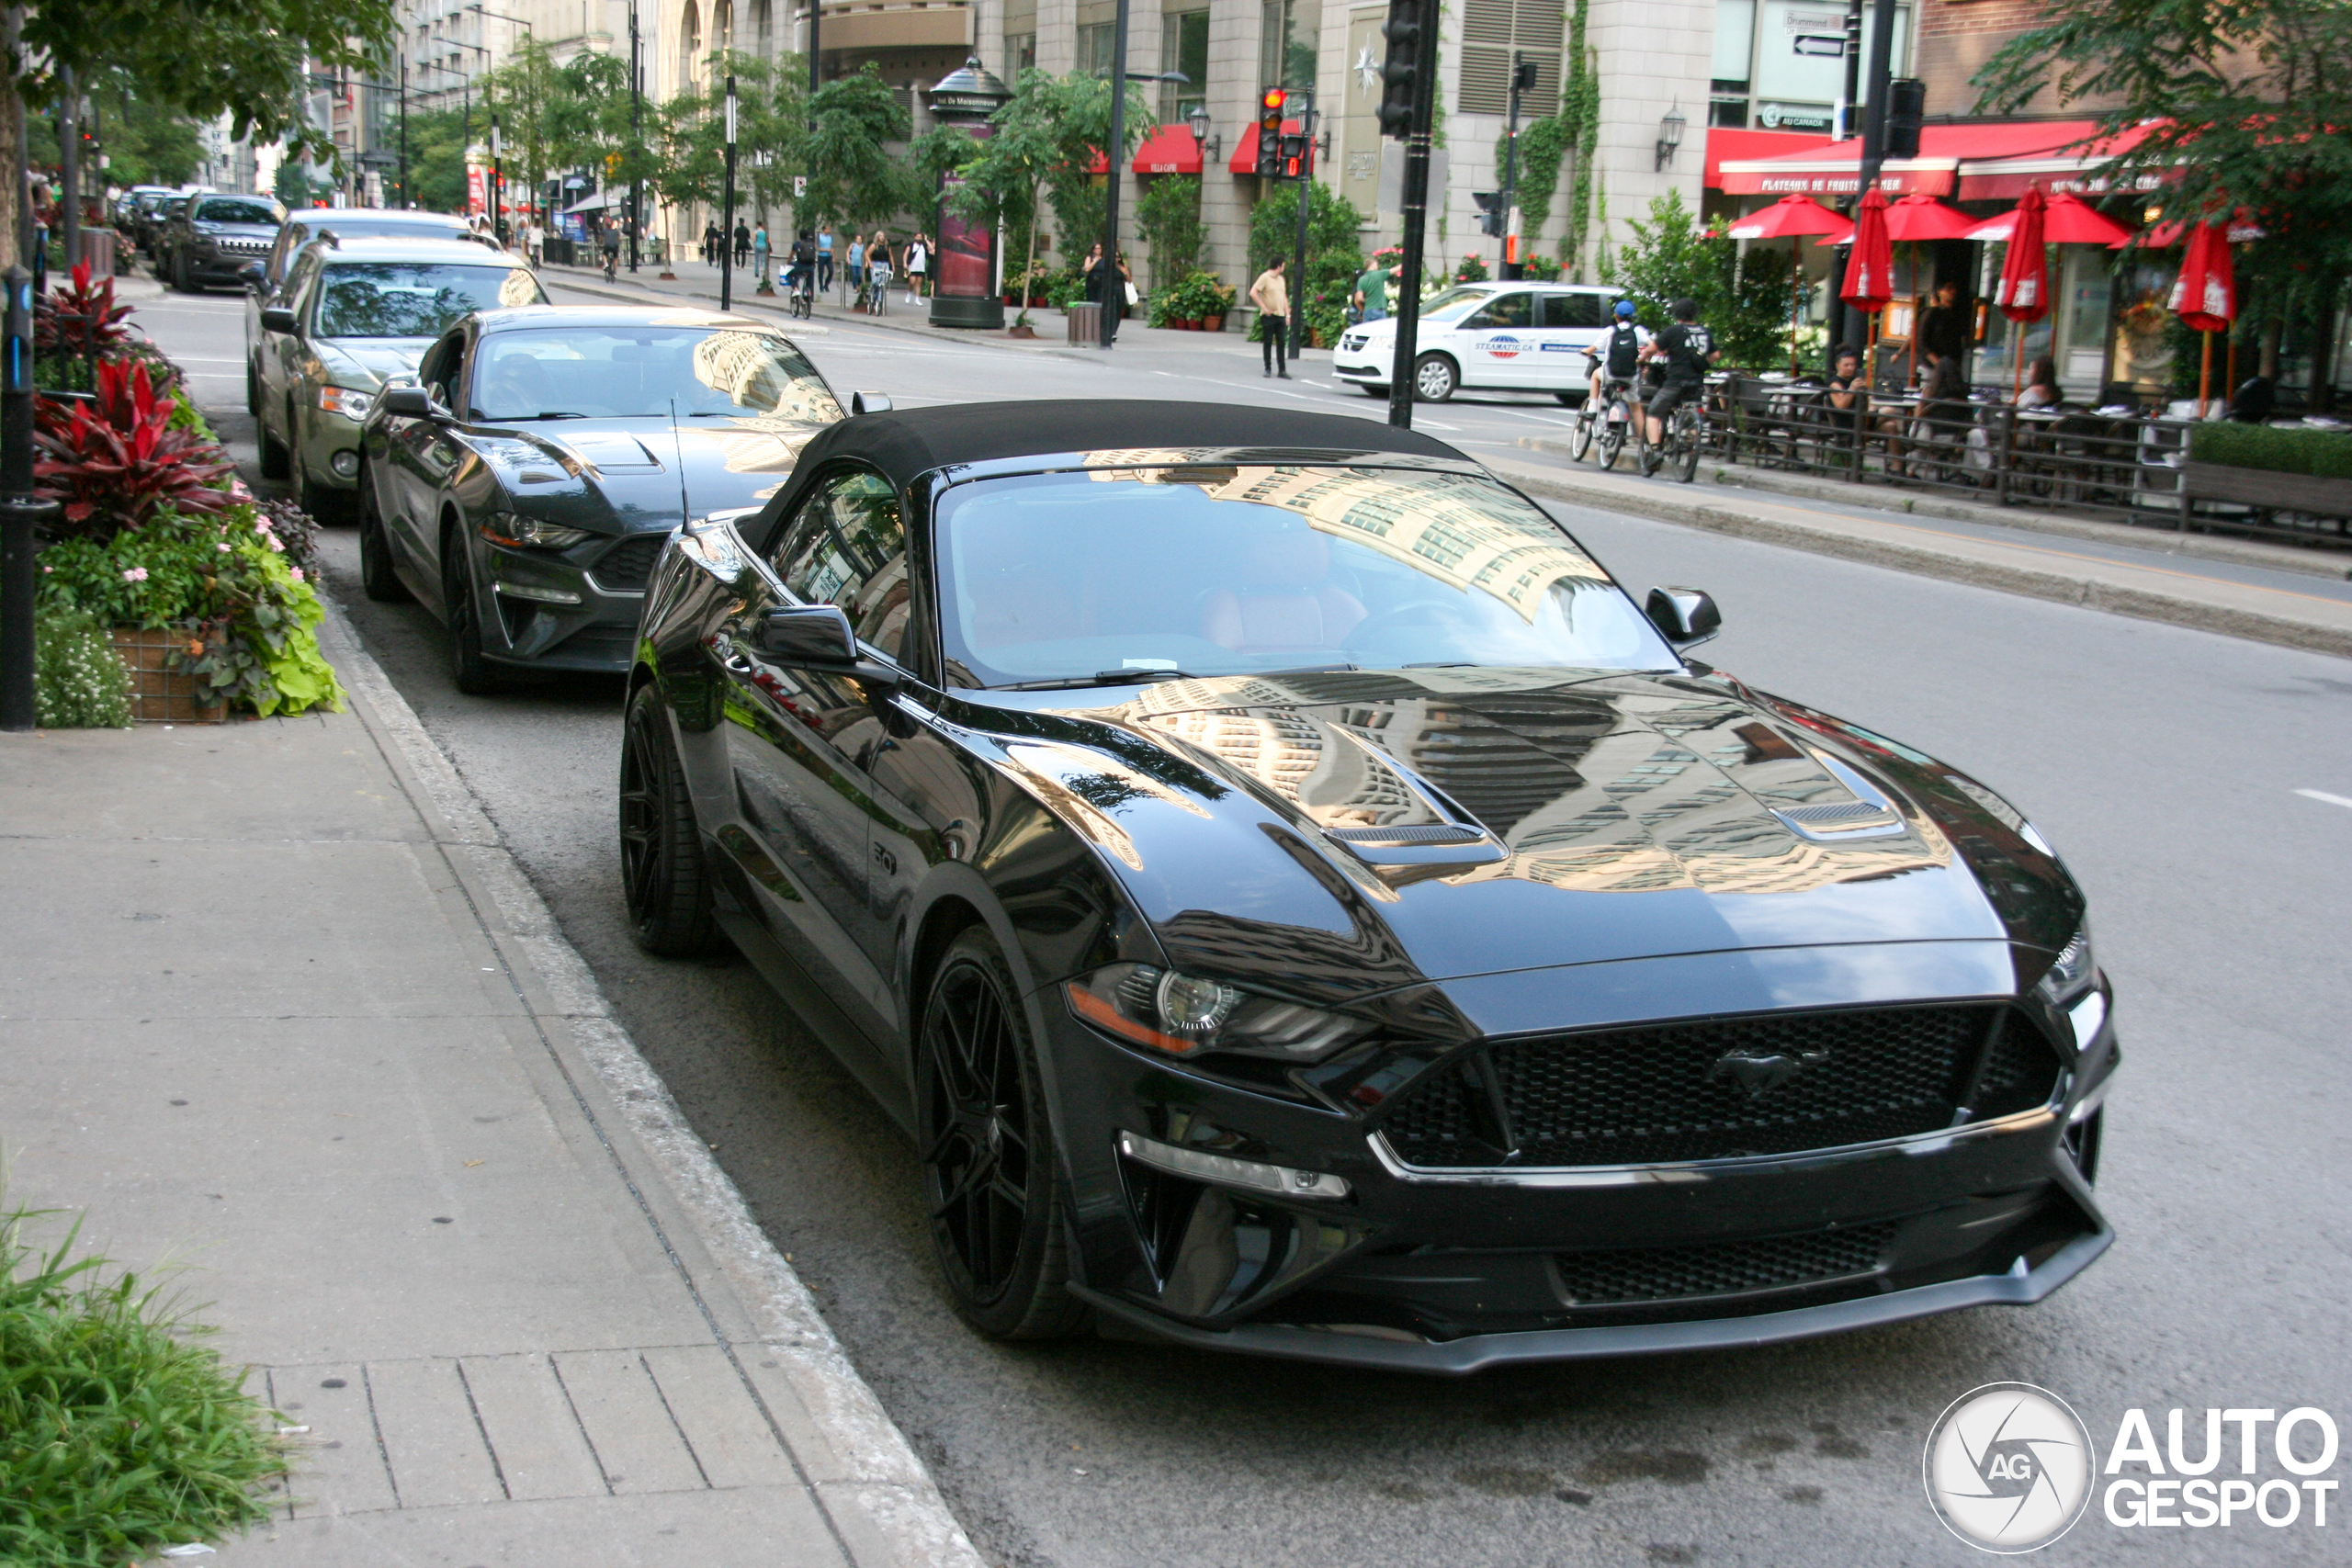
(1168, 219)
(145, 143)
(1082, 108)
(2235, 104)
(1744, 303)
(1004, 180)
(852, 177)
(1334, 254)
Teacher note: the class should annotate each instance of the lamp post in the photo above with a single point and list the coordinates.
(1210, 146)
(727, 222)
(636, 133)
(404, 199)
(1113, 157)
(1669, 136)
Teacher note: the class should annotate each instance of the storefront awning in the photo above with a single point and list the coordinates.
(1170, 150)
(1245, 150)
(1725, 141)
(1964, 161)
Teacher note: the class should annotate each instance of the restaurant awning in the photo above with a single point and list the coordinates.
(1170, 150)
(1954, 159)
(1723, 141)
(1245, 152)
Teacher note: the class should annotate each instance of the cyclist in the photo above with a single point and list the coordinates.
(800, 281)
(1688, 349)
(610, 241)
(1617, 356)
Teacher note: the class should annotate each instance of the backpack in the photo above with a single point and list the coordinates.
(1625, 349)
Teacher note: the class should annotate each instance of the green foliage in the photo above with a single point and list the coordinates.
(121, 1435)
(1044, 137)
(1539, 269)
(852, 177)
(147, 144)
(1544, 144)
(1168, 216)
(78, 680)
(1334, 253)
(2322, 454)
(1747, 307)
(1191, 298)
(1472, 270)
(291, 185)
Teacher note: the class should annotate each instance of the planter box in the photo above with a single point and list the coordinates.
(160, 694)
(2263, 487)
(1212, 323)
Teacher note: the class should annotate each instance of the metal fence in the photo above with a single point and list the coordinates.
(2117, 463)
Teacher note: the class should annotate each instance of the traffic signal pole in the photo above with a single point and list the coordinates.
(1298, 253)
(1407, 109)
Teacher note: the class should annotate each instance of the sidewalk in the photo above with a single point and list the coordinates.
(279, 1006)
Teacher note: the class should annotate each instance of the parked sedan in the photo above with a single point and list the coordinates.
(350, 318)
(1299, 904)
(219, 238)
(1523, 337)
(524, 487)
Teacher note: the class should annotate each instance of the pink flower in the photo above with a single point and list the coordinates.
(135, 574)
(296, 573)
(222, 547)
(276, 543)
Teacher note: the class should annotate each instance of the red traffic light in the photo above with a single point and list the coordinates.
(1275, 99)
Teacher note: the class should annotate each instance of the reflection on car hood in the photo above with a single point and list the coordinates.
(366, 362)
(1617, 817)
(603, 473)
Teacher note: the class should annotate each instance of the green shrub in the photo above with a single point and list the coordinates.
(118, 1436)
(78, 678)
(2322, 454)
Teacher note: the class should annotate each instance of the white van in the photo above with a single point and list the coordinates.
(1518, 337)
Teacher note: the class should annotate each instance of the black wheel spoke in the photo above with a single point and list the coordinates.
(978, 1146)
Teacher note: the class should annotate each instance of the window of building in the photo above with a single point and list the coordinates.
(1020, 52)
(1286, 43)
(1184, 46)
(1781, 64)
(1491, 31)
(1094, 41)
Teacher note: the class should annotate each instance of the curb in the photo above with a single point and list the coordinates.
(884, 1508)
(1926, 562)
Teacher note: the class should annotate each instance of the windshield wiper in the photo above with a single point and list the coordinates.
(1100, 678)
(551, 413)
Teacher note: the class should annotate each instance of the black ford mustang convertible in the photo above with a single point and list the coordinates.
(1299, 904)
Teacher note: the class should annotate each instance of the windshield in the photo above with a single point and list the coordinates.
(235, 209)
(414, 299)
(585, 372)
(1454, 302)
(347, 228)
(1240, 570)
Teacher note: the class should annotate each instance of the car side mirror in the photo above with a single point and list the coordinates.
(869, 402)
(278, 319)
(1685, 616)
(407, 402)
(816, 637)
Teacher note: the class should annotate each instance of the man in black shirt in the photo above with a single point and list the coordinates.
(1687, 350)
(1944, 327)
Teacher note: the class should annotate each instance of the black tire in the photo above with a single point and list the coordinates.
(180, 279)
(1613, 437)
(323, 503)
(377, 577)
(1580, 438)
(663, 882)
(1570, 399)
(1434, 378)
(992, 1184)
(253, 390)
(276, 461)
(1688, 433)
(461, 614)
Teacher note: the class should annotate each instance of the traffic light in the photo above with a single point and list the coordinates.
(1401, 76)
(1490, 210)
(1907, 104)
(1269, 133)
(1293, 158)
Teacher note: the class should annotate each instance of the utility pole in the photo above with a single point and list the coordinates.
(1298, 242)
(1407, 110)
(635, 136)
(816, 77)
(1114, 292)
(69, 167)
(404, 199)
(726, 221)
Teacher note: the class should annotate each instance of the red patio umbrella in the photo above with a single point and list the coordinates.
(1869, 268)
(2206, 296)
(1792, 219)
(2023, 293)
(2066, 220)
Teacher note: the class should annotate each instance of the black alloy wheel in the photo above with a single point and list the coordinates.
(663, 878)
(991, 1181)
(377, 577)
(460, 612)
(1434, 378)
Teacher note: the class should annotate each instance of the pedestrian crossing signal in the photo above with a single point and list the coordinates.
(1269, 132)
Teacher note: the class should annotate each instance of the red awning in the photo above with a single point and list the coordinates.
(1170, 150)
(1992, 174)
(1245, 154)
(1725, 142)
(1948, 155)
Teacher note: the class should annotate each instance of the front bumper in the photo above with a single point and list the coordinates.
(1458, 1271)
(573, 611)
(1371, 362)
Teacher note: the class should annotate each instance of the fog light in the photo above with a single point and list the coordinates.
(344, 463)
(536, 596)
(1223, 1169)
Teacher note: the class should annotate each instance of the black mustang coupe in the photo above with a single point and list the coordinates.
(1300, 905)
(523, 482)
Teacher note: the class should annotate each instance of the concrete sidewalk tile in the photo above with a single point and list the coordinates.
(541, 1450)
(636, 1439)
(432, 1438)
(729, 1434)
(339, 1463)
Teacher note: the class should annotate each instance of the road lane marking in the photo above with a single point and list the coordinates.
(2322, 795)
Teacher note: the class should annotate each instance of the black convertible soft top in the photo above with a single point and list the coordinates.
(907, 443)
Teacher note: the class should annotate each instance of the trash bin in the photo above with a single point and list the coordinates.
(98, 251)
(1085, 323)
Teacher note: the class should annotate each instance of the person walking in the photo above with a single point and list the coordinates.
(709, 242)
(1271, 294)
(854, 264)
(742, 241)
(534, 238)
(918, 267)
(824, 258)
(760, 253)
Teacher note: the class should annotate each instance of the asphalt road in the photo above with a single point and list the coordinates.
(2164, 764)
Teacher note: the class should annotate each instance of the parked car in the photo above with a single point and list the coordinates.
(131, 208)
(1520, 337)
(524, 487)
(351, 316)
(155, 219)
(311, 225)
(219, 238)
(1300, 904)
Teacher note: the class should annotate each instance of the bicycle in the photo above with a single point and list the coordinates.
(1684, 436)
(612, 267)
(875, 297)
(1612, 412)
(801, 300)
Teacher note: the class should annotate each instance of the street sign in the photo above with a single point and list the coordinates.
(1818, 47)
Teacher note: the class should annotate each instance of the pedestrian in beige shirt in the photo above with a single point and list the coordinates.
(1271, 294)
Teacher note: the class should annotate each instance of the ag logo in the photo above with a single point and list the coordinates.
(1502, 347)
(2009, 1468)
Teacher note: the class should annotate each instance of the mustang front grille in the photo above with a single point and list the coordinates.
(1721, 1269)
(1775, 1083)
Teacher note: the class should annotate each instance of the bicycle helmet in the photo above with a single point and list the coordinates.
(1625, 310)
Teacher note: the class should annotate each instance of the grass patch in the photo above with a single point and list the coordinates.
(120, 1434)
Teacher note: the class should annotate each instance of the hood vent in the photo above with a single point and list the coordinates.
(1436, 833)
(1838, 820)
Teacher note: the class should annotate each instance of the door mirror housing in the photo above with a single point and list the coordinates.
(1685, 616)
(407, 402)
(868, 402)
(816, 637)
(278, 319)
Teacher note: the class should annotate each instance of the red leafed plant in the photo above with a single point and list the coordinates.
(115, 460)
(98, 333)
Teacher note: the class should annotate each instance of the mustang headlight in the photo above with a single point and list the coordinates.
(506, 528)
(1185, 1015)
(2074, 970)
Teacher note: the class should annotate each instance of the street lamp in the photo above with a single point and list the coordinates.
(1669, 135)
(1197, 118)
(727, 223)
(1115, 293)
